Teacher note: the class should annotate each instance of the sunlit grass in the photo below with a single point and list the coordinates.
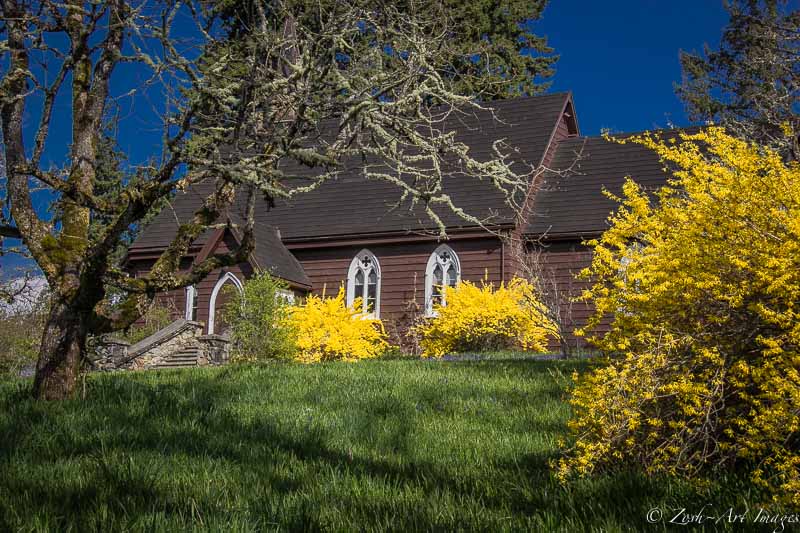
(379, 445)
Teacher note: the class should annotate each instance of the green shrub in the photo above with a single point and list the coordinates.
(21, 330)
(159, 315)
(256, 320)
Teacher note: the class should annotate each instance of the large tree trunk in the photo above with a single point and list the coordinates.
(62, 347)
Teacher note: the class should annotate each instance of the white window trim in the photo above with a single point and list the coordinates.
(351, 278)
(191, 291)
(433, 260)
(229, 276)
(286, 294)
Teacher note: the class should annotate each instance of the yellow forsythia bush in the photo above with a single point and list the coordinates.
(325, 329)
(703, 373)
(480, 318)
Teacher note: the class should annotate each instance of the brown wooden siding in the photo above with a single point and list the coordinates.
(402, 268)
(561, 263)
(403, 274)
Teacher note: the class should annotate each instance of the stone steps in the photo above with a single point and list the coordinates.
(186, 358)
(179, 345)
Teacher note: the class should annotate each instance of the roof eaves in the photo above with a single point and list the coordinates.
(425, 232)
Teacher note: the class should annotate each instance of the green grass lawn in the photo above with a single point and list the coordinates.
(382, 445)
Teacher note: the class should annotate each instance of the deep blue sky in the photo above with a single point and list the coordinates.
(619, 58)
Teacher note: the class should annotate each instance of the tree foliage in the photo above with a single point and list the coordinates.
(751, 85)
(704, 346)
(111, 181)
(497, 53)
(310, 89)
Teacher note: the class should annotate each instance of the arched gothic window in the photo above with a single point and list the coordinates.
(443, 270)
(364, 281)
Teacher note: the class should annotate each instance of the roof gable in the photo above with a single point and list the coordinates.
(270, 255)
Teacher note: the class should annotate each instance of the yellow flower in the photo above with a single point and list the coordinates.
(484, 317)
(325, 329)
(704, 365)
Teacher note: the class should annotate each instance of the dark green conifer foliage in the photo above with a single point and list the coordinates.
(751, 85)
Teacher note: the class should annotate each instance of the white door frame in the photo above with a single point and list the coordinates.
(229, 276)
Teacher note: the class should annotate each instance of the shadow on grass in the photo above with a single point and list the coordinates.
(171, 449)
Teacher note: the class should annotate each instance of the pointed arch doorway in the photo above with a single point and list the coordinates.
(219, 297)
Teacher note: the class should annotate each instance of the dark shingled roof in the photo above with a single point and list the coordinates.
(350, 205)
(574, 205)
(271, 255)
